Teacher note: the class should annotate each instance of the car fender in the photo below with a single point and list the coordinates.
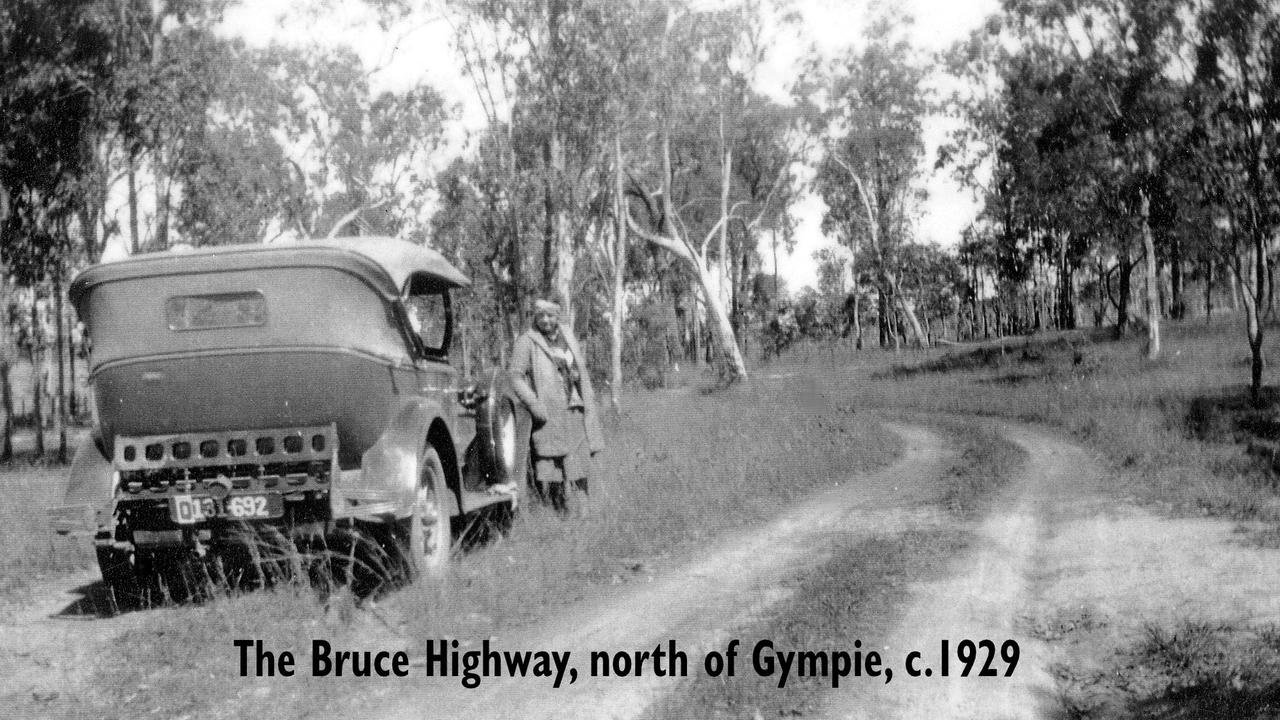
(88, 503)
(389, 472)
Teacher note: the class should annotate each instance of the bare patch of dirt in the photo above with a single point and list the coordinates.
(52, 635)
(1137, 579)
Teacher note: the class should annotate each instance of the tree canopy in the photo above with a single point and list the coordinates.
(632, 165)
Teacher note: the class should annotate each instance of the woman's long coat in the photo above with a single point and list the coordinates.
(536, 380)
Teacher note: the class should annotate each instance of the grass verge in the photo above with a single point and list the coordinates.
(31, 551)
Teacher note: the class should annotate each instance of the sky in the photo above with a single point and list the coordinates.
(419, 51)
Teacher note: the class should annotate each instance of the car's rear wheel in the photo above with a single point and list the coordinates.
(120, 579)
(430, 531)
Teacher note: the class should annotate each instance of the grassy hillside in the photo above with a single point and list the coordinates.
(1180, 428)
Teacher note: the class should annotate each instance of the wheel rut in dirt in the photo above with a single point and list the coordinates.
(982, 597)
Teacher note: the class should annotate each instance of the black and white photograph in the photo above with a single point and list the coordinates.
(639, 359)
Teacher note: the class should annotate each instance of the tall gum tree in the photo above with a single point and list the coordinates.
(1130, 55)
(551, 68)
(873, 146)
(689, 199)
(1237, 73)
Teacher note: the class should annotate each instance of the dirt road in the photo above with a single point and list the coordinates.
(1059, 562)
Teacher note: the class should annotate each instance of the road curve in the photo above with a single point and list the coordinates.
(985, 595)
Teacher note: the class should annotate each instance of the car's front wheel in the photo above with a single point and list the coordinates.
(430, 532)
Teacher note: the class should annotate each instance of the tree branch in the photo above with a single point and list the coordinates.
(674, 247)
(866, 202)
(346, 219)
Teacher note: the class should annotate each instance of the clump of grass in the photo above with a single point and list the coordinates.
(1064, 622)
(986, 462)
(359, 560)
(279, 592)
(1192, 669)
(1230, 415)
(184, 661)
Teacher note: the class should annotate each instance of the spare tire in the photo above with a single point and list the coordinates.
(502, 432)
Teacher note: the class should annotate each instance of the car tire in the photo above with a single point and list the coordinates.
(502, 432)
(504, 445)
(496, 439)
(120, 579)
(430, 537)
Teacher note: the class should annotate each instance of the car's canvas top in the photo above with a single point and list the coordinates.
(382, 262)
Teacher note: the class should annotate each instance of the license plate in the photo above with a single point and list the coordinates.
(191, 509)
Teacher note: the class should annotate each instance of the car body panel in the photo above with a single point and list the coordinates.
(304, 306)
(385, 264)
(252, 389)
(247, 338)
(88, 500)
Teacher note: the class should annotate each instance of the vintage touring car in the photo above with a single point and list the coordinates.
(294, 388)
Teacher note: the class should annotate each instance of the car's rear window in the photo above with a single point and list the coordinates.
(223, 310)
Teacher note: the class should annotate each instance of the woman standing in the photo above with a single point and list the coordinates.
(550, 376)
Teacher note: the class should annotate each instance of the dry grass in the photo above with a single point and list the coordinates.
(31, 550)
(680, 469)
(1192, 670)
